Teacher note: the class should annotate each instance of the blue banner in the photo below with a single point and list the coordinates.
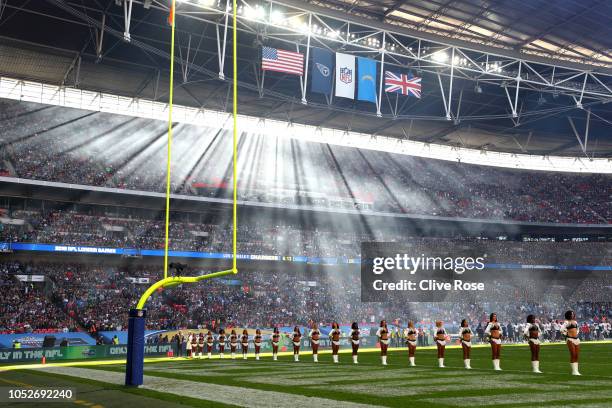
(322, 71)
(366, 85)
(18, 246)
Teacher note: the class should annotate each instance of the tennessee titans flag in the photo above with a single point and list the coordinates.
(366, 86)
(322, 71)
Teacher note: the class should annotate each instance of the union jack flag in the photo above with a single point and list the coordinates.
(406, 84)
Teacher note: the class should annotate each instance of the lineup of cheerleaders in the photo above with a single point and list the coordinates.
(493, 332)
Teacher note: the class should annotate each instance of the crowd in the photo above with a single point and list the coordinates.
(96, 297)
(73, 146)
(24, 306)
(95, 227)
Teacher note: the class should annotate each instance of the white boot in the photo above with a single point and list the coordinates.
(496, 366)
(335, 356)
(244, 356)
(466, 362)
(536, 367)
(220, 355)
(209, 355)
(384, 360)
(355, 359)
(441, 362)
(274, 357)
(257, 356)
(296, 357)
(411, 359)
(575, 369)
(315, 358)
(233, 356)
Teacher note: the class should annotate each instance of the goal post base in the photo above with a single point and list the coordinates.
(134, 368)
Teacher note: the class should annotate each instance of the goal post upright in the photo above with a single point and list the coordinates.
(134, 374)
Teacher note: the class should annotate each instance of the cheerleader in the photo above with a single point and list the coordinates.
(200, 347)
(334, 336)
(221, 340)
(383, 339)
(257, 343)
(189, 346)
(493, 333)
(532, 335)
(244, 340)
(465, 334)
(275, 341)
(233, 338)
(569, 330)
(440, 342)
(296, 338)
(411, 342)
(210, 339)
(355, 332)
(314, 336)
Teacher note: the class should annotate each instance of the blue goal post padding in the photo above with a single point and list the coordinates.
(134, 368)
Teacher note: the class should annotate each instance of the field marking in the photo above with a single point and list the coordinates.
(225, 394)
(528, 398)
(416, 388)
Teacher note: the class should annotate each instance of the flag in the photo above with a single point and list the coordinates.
(345, 75)
(366, 87)
(321, 71)
(171, 13)
(406, 84)
(288, 62)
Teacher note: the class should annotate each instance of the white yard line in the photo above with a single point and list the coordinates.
(240, 396)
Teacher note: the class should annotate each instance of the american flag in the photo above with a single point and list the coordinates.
(282, 61)
(404, 84)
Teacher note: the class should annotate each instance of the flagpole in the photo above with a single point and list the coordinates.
(382, 74)
(305, 84)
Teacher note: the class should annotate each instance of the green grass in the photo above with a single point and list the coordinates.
(395, 385)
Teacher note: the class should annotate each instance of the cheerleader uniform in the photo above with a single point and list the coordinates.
(257, 344)
(209, 345)
(571, 340)
(275, 342)
(233, 345)
(296, 338)
(244, 340)
(383, 338)
(315, 335)
(334, 335)
(355, 344)
(221, 340)
(466, 345)
(188, 346)
(411, 343)
(200, 347)
(441, 343)
(495, 341)
(532, 335)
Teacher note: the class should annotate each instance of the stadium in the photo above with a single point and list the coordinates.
(364, 203)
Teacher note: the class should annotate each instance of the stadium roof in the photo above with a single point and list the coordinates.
(561, 56)
(567, 30)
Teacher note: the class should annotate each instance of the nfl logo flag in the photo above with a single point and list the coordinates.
(345, 76)
(406, 84)
(276, 60)
(321, 71)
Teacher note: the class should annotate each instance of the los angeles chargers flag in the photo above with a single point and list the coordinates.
(366, 87)
(321, 71)
(345, 75)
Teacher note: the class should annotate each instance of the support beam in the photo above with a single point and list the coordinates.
(127, 15)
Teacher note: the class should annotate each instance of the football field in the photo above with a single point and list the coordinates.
(267, 383)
